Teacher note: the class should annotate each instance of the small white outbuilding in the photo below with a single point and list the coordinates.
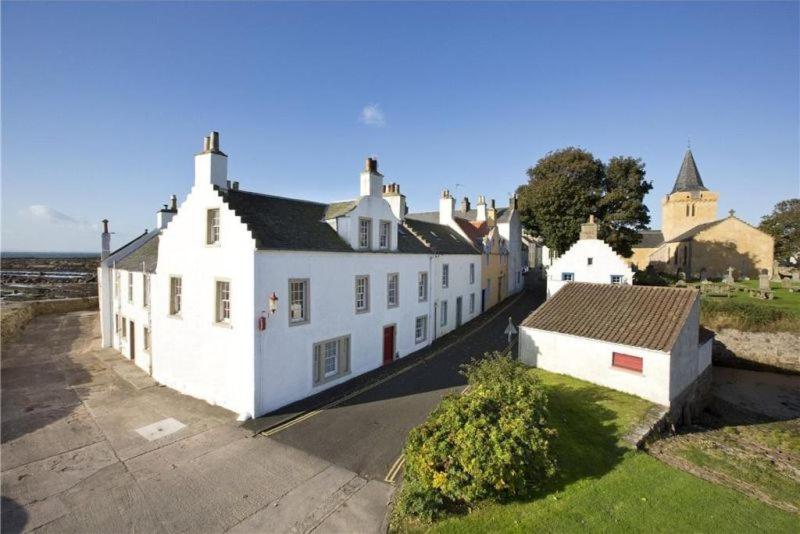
(589, 260)
(646, 341)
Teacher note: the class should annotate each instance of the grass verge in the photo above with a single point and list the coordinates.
(604, 485)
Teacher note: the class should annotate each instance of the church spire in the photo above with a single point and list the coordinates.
(688, 177)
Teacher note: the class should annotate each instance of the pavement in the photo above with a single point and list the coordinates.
(90, 443)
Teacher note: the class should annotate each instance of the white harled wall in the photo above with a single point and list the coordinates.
(512, 232)
(605, 262)
(194, 354)
(135, 311)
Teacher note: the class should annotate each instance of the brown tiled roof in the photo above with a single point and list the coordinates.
(639, 316)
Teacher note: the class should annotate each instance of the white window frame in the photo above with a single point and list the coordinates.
(147, 342)
(619, 276)
(445, 275)
(421, 329)
(472, 303)
(392, 293)
(364, 308)
(222, 299)
(385, 235)
(330, 349)
(305, 303)
(567, 277)
(175, 295)
(422, 286)
(130, 287)
(364, 233)
(212, 226)
(443, 313)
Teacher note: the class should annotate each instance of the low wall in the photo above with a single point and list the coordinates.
(758, 351)
(17, 315)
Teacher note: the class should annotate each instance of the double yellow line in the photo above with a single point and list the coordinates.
(395, 469)
(299, 419)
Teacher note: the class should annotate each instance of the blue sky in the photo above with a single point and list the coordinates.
(105, 104)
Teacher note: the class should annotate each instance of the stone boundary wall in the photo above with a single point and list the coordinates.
(758, 351)
(17, 315)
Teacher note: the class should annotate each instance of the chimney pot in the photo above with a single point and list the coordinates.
(235, 185)
(491, 203)
(465, 205)
(173, 203)
(215, 141)
(206, 143)
(105, 226)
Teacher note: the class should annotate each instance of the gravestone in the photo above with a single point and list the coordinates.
(763, 282)
(796, 276)
(786, 283)
(703, 275)
(729, 277)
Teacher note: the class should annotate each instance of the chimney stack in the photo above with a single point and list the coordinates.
(512, 202)
(371, 179)
(105, 241)
(166, 213)
(465, 204)
(396, 200)
(173, 203)
(589, 229)
(446, 206)
(481, 209)
(491, 213)
(211, 165)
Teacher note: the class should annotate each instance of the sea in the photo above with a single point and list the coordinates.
(49, 255)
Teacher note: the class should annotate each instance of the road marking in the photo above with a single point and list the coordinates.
(307, 415)
(395, 469)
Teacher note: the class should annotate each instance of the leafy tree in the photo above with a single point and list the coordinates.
(784, 225)
(568, 185)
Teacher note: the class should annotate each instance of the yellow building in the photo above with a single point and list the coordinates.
(694, 242)
(494, 258)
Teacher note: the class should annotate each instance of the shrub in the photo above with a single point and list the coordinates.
(489, 443)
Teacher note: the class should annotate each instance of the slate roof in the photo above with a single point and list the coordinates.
(439, 238)
(639, 316)
(285, 223)
(279, 223)
(688, 177)
(143, 258)
(650, 239)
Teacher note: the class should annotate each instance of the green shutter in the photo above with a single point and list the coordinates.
(344, 355)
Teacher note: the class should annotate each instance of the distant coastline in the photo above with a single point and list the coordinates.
(46, 255)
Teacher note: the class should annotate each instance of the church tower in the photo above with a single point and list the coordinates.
(690, 203)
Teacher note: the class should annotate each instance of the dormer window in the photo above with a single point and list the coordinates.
(364, 232)
(212, 226)
(385, 235)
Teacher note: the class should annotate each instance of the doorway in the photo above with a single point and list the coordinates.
(483, 300)
(133, 340)
(388, 344)
(458, 312)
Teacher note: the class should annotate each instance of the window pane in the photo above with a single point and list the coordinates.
(297, 301)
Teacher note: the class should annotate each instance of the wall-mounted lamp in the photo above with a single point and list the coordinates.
(273, 303)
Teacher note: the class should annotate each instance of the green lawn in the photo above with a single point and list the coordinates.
(604, 485)
(784, 299)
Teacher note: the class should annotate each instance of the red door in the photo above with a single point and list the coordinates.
(388, 344)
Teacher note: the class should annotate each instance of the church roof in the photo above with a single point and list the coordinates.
(639, 316)
(650, 239)
(688, 177)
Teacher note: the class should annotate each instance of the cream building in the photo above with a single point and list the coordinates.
(694, 242)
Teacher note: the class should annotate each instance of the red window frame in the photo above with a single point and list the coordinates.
(626, 361)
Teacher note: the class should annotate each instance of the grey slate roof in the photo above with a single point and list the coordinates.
(650, 239)
(688, 177)
(438, 238)
(503, 215)
(143, 258)
(285, 223)
(278, 223)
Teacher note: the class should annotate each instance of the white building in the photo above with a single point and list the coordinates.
(646, 341)
(589, 260)
(257, 301)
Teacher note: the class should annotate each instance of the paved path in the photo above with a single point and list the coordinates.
(366, 433)
(91, 444)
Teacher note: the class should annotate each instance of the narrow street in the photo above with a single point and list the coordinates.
(366, 433)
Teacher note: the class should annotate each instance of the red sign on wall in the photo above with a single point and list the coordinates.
(626, 361)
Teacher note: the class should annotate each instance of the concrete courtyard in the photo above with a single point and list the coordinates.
(91, 444)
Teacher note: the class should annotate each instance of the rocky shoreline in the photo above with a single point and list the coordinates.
(44, 278)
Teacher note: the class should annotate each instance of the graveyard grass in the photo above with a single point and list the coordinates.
(606, 485)
(744, 312)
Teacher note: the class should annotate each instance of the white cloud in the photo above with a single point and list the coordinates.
(42, 213)
(372, 115)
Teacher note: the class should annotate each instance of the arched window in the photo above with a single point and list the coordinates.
(692, 210)
(687, 210)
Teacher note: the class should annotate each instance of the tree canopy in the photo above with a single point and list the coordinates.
(784, 225)
(568, 185)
